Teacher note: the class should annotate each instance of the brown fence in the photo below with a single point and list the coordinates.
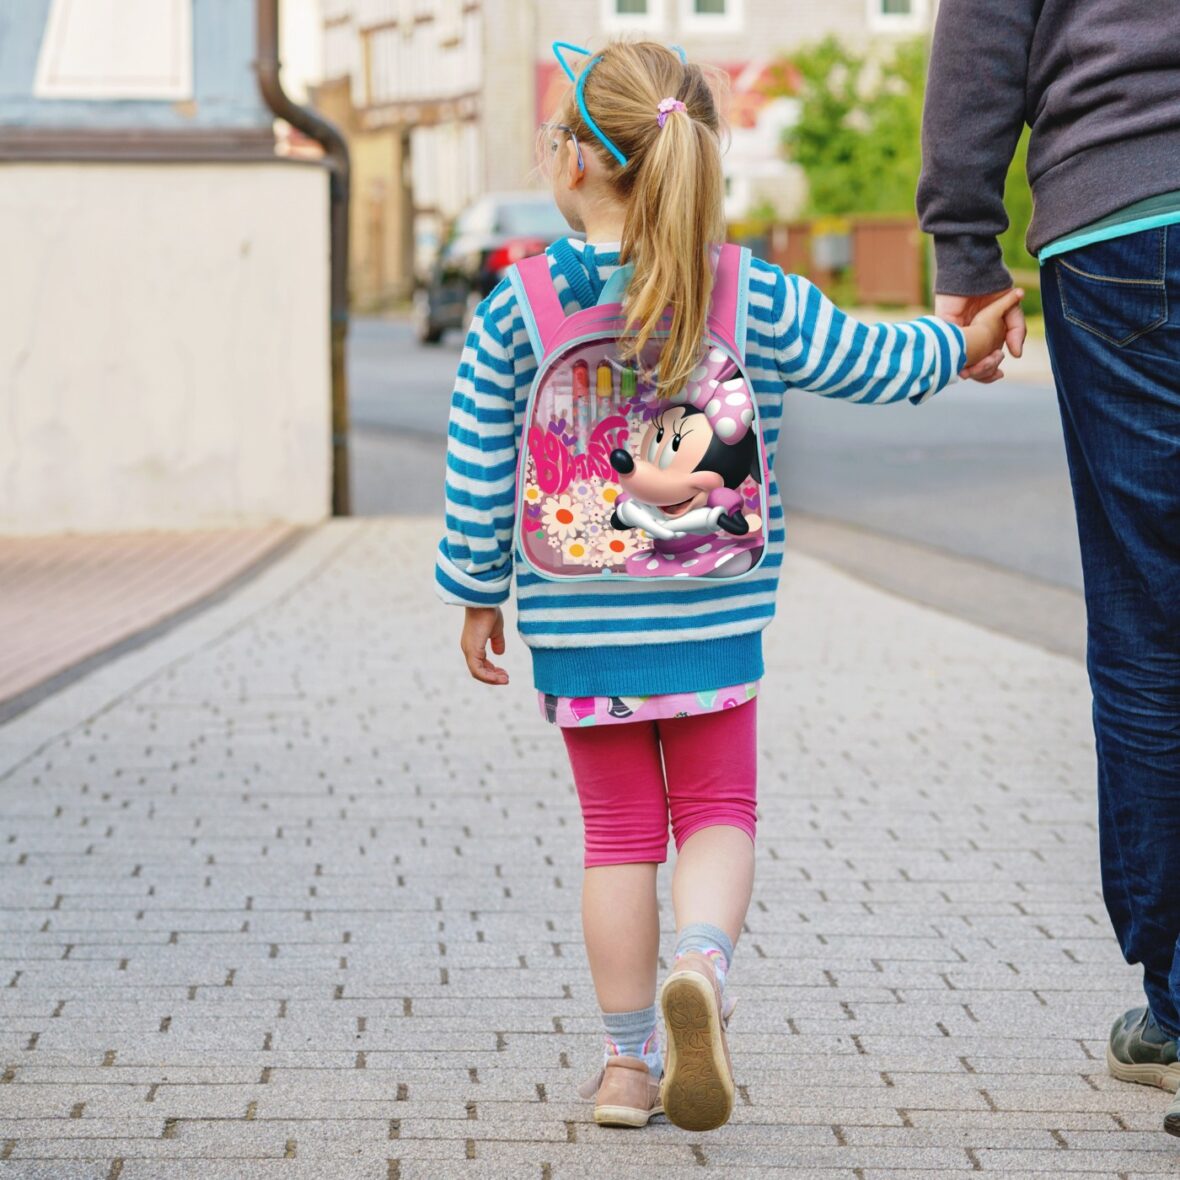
(887, 258)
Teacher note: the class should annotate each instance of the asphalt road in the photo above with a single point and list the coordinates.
(978, 472)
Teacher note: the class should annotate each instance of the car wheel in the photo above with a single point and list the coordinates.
(425, 329)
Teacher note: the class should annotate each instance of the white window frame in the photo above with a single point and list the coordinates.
(732, 20)
(917, 20)
(84, 53)
(615, 22)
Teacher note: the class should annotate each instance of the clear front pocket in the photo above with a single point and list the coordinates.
(616, 481)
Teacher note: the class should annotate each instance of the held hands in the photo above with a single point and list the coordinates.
(707, 520)
(480, 624)
(702, 521)
(989, 322)
(699, 520)
(636, 515)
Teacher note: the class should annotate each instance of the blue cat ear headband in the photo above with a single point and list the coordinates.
(579, 81)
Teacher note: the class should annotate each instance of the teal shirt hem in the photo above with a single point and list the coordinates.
(1105, 233)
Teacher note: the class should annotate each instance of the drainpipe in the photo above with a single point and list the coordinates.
(336, 154)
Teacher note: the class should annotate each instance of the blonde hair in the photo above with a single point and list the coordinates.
(672, 187)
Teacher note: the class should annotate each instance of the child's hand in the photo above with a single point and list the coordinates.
(986, 333)
(480, 624)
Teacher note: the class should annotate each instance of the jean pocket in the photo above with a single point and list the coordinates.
(1117, 289)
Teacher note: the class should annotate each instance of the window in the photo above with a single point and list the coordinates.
(475, 219)
(711, 16)
(132, 49)
(632, 14)
(541, 218)
(898, 16)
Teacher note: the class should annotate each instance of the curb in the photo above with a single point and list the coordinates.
(100, 682)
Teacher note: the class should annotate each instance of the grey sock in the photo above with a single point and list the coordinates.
(703, 938)
(633, 1034)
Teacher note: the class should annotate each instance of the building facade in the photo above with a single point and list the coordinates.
(442, 98)
(744, 37)
(164, 353)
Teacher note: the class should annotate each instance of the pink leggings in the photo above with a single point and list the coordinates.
(707, 777)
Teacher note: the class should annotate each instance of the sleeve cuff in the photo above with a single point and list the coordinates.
(457, 588)
(952, 345)
(969, 265)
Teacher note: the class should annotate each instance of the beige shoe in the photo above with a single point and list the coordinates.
(698, 1088)
(624, 1093)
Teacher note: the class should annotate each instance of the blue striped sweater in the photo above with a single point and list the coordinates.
(643, 638)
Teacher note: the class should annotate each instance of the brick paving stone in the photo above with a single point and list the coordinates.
(53, 1170)
(284, 894)
(237, 1141)
(920, 1173)
(1161, 1161)
(252, 1169)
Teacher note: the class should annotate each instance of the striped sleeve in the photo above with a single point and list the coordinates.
(474, 562)
(822, 350)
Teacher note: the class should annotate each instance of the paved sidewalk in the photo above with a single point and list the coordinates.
(66, 599)
(284, 895)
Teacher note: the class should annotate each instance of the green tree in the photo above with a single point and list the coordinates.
(1019, 204)
(857, 137)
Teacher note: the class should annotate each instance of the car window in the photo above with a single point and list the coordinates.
(530, 217)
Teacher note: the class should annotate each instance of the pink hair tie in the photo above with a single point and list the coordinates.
(666, 107)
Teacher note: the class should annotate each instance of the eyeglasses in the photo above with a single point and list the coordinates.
(554, 145)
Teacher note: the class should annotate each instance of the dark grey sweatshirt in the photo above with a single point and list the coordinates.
(1098, 81)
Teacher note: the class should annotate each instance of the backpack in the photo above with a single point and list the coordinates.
(614, 482)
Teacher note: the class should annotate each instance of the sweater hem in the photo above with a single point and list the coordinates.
(648, 669)
(1099, 181)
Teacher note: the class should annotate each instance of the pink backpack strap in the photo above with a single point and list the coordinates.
(544, 315)
(727, 314)
(540, 305)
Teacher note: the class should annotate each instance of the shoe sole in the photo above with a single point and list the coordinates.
(625, 1116)
(698, 1089)
(1166, 1077)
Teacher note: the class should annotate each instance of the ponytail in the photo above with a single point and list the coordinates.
(673, 189)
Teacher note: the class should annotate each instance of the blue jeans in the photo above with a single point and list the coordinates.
(1112, 316)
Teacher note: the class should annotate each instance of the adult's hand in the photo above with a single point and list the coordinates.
(962, 309)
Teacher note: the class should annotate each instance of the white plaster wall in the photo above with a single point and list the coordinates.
(164, 357)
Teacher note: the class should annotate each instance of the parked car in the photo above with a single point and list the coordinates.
(482, 243)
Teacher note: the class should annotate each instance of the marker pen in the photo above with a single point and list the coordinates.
(604, 380)
(581, 396)
(629, 385)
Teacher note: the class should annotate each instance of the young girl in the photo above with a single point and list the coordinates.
(654, 684)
